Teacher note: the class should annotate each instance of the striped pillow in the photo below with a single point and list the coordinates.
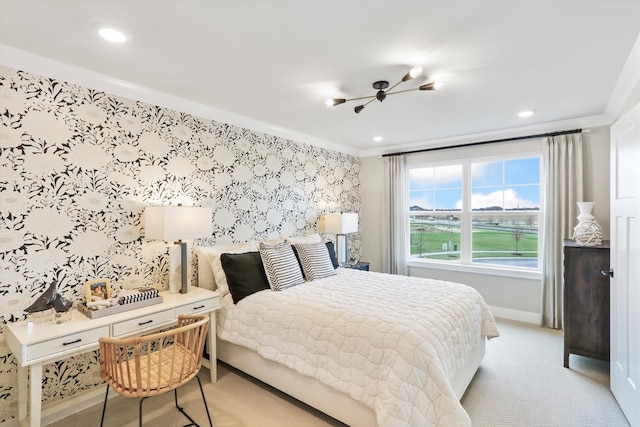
(281, 266)
(315, 260)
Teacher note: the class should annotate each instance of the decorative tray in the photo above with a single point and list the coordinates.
(94, 314)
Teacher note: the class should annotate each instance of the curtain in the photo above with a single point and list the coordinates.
(562, 160)
(394, 246)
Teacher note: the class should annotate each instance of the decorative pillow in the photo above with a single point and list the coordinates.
(281, 266)
(245, 274)
(332, 254)
(315, 261)
(210, 256)
(301, 240)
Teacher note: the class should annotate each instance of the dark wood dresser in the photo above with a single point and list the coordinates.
(586, 301)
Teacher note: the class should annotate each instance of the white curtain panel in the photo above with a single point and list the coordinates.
(394, 241)
(563, 189)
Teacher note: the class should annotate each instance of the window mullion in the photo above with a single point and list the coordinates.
(465, 226)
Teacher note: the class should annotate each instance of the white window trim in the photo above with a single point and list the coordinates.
(465, 264)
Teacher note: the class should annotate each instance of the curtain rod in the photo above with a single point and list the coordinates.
(517, 138)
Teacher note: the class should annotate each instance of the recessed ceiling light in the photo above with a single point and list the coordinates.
(378, 138)
(113, 35)
(524, 114)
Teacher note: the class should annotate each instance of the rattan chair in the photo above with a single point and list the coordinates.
(155, 364)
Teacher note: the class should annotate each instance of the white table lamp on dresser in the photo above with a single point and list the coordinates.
(341, 224)
(177, 223)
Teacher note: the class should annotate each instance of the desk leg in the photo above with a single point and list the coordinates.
(35, 391)
(213, 355)
(23, 387)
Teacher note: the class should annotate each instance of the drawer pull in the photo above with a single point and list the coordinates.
(198, 307)
(608, 273)
(145, 323)
(71, 342)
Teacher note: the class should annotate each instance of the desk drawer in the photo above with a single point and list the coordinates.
(69, 342)
(142, 323)
(198, 307)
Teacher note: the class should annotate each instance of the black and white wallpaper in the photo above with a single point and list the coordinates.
(77, 167)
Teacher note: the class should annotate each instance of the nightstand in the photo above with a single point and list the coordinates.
(361, 265)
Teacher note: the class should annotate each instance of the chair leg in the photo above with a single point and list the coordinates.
(205, 401)
(104, 406)
(175, 394)
(140, 412)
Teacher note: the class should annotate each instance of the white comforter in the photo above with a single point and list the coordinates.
(388, 341)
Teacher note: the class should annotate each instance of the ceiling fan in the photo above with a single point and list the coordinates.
(383, 89)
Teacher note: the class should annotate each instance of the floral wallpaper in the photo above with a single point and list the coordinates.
(77, 167)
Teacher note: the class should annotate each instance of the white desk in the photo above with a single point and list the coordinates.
(38, 344)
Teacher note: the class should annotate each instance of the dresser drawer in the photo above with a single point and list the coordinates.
(68, 342)
(142, 323)
(198, 307)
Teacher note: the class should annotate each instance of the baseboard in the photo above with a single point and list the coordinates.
(518, 315)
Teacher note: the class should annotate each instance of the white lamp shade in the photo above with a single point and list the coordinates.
(341, 223)
(176, 222)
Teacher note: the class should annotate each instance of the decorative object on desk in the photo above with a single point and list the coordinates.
(587, 232)
(177, 223)
(97, 291)
(50, 299)
(44, 301)
(341, 224)
(61, 306)
(138, 294)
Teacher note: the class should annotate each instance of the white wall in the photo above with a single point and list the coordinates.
(515, 297)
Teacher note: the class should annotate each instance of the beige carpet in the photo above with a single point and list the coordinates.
(521, 383)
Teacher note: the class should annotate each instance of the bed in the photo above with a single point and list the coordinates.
(365, 348)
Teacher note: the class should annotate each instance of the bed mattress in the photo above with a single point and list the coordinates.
(391, 342)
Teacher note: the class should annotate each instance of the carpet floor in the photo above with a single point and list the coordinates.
(521, 382)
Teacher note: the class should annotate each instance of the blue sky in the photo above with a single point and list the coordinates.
(509, 183)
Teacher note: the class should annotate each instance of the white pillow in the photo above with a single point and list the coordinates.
(303, 240)
(315, 261)
(210, 270)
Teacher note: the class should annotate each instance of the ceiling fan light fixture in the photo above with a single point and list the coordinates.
(383, 89)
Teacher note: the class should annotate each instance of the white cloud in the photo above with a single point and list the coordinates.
(509, 199)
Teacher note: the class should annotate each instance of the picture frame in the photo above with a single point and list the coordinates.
(97, 290)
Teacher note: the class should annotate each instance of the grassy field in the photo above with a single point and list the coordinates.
(487, 243)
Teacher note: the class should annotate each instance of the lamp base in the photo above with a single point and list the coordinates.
(342, 249)
(175, 269)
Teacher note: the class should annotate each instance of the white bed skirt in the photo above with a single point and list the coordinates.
(319, 396)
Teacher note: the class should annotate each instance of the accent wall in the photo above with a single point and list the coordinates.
(77, 168)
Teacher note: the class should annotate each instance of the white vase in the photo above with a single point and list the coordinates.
(585, 212)
(587, 232)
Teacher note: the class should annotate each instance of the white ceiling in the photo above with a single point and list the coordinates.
(276, 62)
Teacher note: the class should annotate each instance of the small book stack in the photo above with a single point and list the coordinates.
(138, 294)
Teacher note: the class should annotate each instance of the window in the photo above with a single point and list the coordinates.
(476, 212)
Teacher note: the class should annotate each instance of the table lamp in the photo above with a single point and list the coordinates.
(341, 224)
(177, 223)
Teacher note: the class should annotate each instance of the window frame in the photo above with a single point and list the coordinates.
(465, 263)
